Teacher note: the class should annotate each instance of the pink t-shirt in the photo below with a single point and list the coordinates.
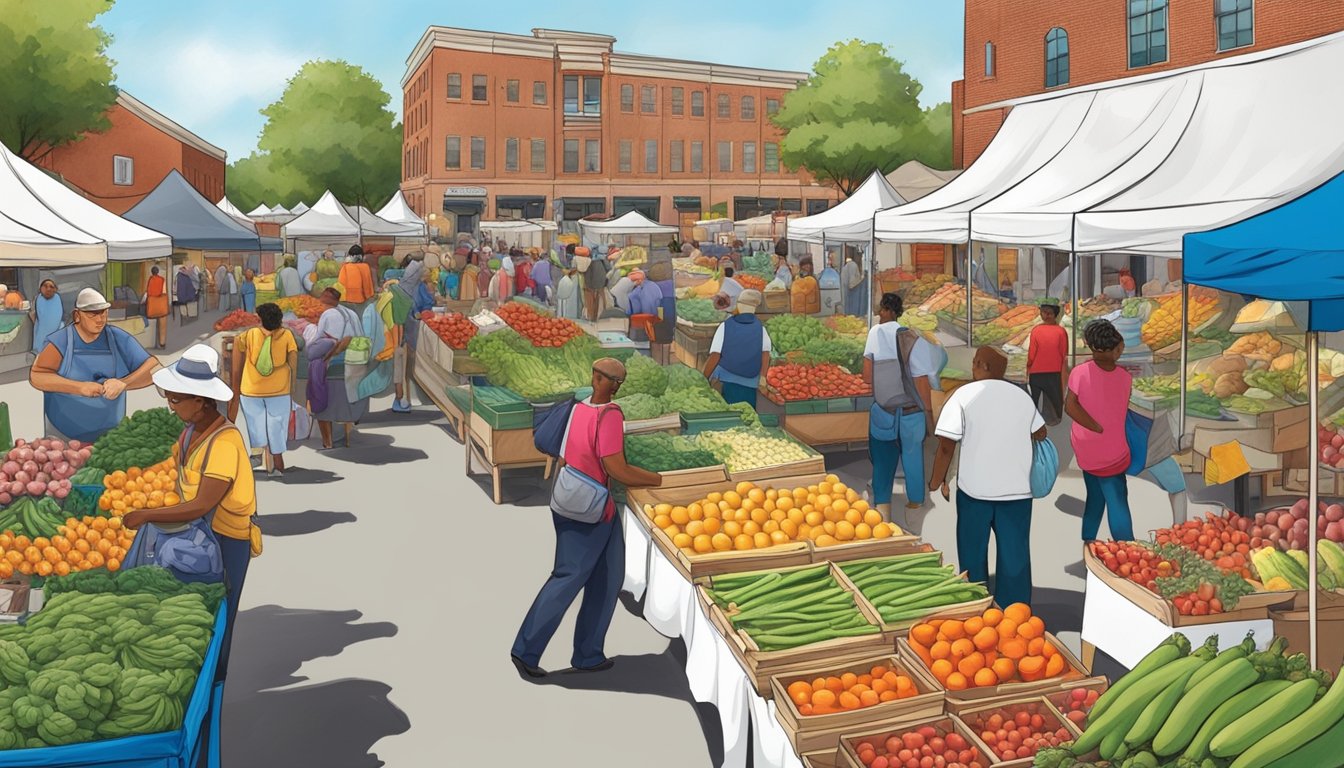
(610, 440)
(1105, 396)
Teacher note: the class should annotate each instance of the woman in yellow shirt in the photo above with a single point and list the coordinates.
(214, 473)
(265, 363)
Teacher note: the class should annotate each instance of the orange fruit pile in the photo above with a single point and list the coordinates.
(138, 488)
(999, 646)
(79, 545)
(751, 517)
(850, 691)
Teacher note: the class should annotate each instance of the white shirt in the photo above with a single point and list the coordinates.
(850, 275)
(620, 294)
(993, 420)
(506, 264)
(717, 344)
(882, 345)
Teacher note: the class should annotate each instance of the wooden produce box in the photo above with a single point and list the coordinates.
(869, 549)
(1073, 671)
(1294, 482)
(1281, 431)
(822, 758)
(466, 365)
(1011, 707)
(814, 464)
(850, 757)
(827, 428)
(761, 665)
(818, 732)
(1250, 607)
(15, 593)
(1059, 699)
(900, 629)
(668, 423)
(502, 447)
(690, 349)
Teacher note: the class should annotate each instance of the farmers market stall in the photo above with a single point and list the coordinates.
(633, 226)
(397, 211)
(524, 233)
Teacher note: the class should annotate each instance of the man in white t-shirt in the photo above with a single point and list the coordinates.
(995, 422)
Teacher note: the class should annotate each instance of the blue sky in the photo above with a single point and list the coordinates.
(212, 66)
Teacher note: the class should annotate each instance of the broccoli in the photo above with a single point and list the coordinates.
(1055, 757)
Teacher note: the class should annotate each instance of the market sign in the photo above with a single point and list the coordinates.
(464, 192)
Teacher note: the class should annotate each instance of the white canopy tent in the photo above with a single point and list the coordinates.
(632, 223)
(299, 209)
(21, 246)
(258, 212)
(914, 179)
(326, 219)
(371, 225)
(279, 210)
(525, 233)
(398, 211)
(234, 213)
(852, 220)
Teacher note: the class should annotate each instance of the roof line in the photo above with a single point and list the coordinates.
(167, 125)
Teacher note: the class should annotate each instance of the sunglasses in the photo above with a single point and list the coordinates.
(609, 377)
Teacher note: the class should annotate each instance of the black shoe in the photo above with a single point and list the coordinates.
(526, 670)
(604, 666)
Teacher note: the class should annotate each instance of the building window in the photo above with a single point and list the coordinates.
(454, 85)
(592, 155)
(725, 156)
(511, 92)
(989, 59)
(650, 156)
(511, 154)
(1056, 58)
(697, 103)
(624, 162)
(771, 157)
(748, 107)
(748, 157)
(725, 106)
(676, 157)
(771, 106)
(123, 170)
(627, 97)
(1147, 32)
(480, 90)
(697, 157)
(452, 153)
(592, 95)
(1236, 23)
(572, 95)
(648, 99)
(678, 101)
(539, 92)
(538, 155)
(571, 155)
(478, 153)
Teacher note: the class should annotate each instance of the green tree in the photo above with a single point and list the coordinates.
(55, 76)
(330, 129)
(858, 112)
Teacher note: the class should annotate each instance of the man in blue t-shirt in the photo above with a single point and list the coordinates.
(739, 355)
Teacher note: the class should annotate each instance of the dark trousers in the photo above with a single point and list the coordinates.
(237, 554)
(588, 557)
(1050, 388)
(737, 393)
(1010, 522)
(1107, 495)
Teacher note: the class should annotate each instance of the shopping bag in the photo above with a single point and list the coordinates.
(1044, 468)
(300, 422)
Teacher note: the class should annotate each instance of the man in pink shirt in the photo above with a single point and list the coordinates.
(1098, 401)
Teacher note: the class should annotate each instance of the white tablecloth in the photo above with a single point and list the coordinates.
(714, 675)
(1127, 633)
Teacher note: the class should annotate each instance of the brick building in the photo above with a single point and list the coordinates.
(558, 125)
(1015, 49)
(118, 167)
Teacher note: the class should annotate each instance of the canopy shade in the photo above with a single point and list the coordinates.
(259, 211)
(1291, 253)
(299, 209)
(24, 247)
(327, 218)
(398, 211)
(914, 179)
(852, 220)
(632, 223)
(175, 207)
(519, 225)
(371, 225)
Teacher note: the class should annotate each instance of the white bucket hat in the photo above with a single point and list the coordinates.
(196, 373)
(90, 300)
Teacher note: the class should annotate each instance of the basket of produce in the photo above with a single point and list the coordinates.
(1163, 326)
(237, 320)
(1001, 652)
(662, 452)
(819, 704)
(1012, 327)
(1012, 733)
(794, 332)
(895, 280)
(699, 316)
(926, 286)
(908, 588)
(794, 382)
(914, 744)
(455, 330)
(1076, 701)
(759, 454)
(776, 302)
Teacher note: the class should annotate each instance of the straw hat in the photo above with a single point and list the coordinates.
(195, 373)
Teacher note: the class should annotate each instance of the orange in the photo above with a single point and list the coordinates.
(702, 544)
(1007, 628)
(849, 701)
(1014, 649)
(1054, 665)
(941, 669)
(880, 686)
(888, 696)
(844, 531)
(763, 541)
(6, 569)
(800, 692)
(992, 617)
(962, 648)
(1036, 647)
(1031, 668)
(751, 528)
(62, 569)
(872, 517)
(95, 559)
(941, 650)
(113, 564)
(683, 541)
(1048, 649)
(835, 685)
(973, 626)
(971, 664)
(823, 698)
(866, 681)
(986, 678)
(722, 542)
(680, 515)
(952, 630)
(849, 680)
(1018, 612)
(1004, 669)
(743, 543)
(924, 634)
(893, 679)
(1031, 628)
(43, 568)
(712, 525)
(869, 698)
(986, 639)
(957, 682)
(905, 686)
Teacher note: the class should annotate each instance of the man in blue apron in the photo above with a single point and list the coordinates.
(740, 353)
(86, 368)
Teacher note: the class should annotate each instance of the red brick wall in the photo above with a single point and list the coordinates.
(204, 172)
(1098, 46)
(88, 162)
(958, 104)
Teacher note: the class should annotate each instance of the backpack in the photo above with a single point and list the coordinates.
(549, 425)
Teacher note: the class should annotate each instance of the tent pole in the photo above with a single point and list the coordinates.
(1073, 311)
(970, 288)
(872, 271)
(1185, 349)
(1313, 484)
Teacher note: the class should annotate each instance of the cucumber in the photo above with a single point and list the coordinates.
(1315, 722)
(1264, 719)
(1238, 651)
(1126, 710)
(1158, 711)
(1171, 649)
(1324, 750)
(1199, 702)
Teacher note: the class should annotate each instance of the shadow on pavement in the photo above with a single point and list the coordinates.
(372, 450)
(1070, 505)
(300, 476)
(299, 523)
(1076, 569)
(389, 418)
(341, 720)
(1060, 609)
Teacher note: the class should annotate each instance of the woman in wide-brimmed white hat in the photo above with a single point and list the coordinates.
(215, 482)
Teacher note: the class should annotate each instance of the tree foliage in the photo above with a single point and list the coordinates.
(55, 76)
(330, 129)
(858, 112)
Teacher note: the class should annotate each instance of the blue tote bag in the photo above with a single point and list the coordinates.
(1044, 468)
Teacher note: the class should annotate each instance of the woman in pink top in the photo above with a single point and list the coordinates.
(1097, 401)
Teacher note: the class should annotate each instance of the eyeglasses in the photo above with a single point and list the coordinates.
(609, 377)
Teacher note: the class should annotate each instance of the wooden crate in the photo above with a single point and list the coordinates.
(772, 475)
(869, 549)
(1073, 672)
(1011, 706)
(896, 630)
(850, 757)
(822, 758)
(827, 428)
(817, 732)
(1057, 698)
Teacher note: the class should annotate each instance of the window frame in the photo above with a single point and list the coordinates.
(746, 108)
(1147, 16)
(451, 77)
(723, 107)
(625, 151)
(475, 142)
(723, 150)
(119, 162)
(648, 100)
(749, 167)
(513, 91)
(697, 159)
(597, 93)
(539, 89)
(1219, 15)
(991, 63)
(533, 156)
(452, 158)
(627, 104)
(511, 149)
(592, 150)
(694, 107)
(577, 151)
(765, 158)
(676, 156)
(1058, 63)
(484, 89)
(772, 106)
(650, 164)
(678, 99)
(576, 101)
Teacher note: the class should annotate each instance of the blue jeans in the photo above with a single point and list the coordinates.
(1107, 494)
(267, 422)
(906, 450)
(737, 393)
(1010, 522)
(588, 557)
(236, 553)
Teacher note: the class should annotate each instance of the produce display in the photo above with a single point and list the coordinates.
(949, 302)
(789, 609)
(846, 352)
(511, 361)
(898, 275)
(661, 452)
(1288, 570)
(850, 691)
(919, 320)
(540, 329)
(793, 332)
(643, 376)
(760, 264)
(1286, 527)
(1223, 540)
(141, 440)
(117, 662)
(150, 488)
(1163, 327)
(32, 518)
(999, 646)
(304, 307)
(745, 449)
(692, 400)
(455, 329)
(911, 586)
(792, 381)
(847, 325)
(74, 545)
(41, 468)
(749, 281)
(921, 747)
(237, 320)
(1076, 704)
(1012, 327)
(1098, 306)
(639, 407)
(699, 311)
(1195, 586)
(1241, 708)
(749, 517)
(925, 286)
(1017, 731)
(1331, 446)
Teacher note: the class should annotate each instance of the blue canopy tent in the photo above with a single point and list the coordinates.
(177, 209)
(1294, 252)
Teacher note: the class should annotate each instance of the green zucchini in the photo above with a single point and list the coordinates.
(1159, 710)
(1125, 711)
(1322, 751)
(1239, 651)
(1199, 702)
(1228, 712)
(1264, 719)
(1302, 729)
(1171, 649)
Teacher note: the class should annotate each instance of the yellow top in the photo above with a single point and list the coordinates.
(253, 383)
(229, 462)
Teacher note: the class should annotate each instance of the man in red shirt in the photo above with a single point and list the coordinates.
(1047, 352)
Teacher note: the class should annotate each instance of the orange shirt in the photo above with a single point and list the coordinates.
(357, 282)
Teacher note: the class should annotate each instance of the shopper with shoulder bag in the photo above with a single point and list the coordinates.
(589, 544)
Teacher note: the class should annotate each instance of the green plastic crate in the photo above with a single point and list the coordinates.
(695, 423)
(840, 405)
(801, 407)
(769, 420)
(501, 408)
(460, 397)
